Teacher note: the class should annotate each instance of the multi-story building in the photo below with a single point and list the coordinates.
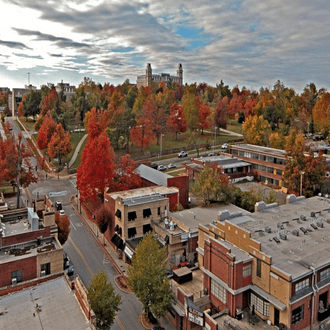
(16, 96)
(274, 262)
(149, 77)
(267, 163)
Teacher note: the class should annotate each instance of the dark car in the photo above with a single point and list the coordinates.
(154, 165)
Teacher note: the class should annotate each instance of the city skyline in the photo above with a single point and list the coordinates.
(247, 44)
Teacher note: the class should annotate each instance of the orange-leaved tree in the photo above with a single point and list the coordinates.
(63, 224)
(142, 133)
(97, 168)
(177, 120)
(59, 145)
(49, 102)
(204, 116)
(46, 131)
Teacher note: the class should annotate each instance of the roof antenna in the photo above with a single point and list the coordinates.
(28, 78)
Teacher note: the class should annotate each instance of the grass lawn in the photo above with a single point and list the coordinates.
(28, 123)
(78, 159)
(7, 189)
(234, 126)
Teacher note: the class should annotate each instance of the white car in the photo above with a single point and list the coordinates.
(182, 154)
(224, 146)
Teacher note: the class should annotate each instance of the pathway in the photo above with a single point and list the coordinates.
(76, 152)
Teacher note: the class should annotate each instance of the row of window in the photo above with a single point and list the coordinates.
(131, 232)
(253, 155)
(17, 275)
(267, 169)
(218, 291)
(131, 216)
(259, 304)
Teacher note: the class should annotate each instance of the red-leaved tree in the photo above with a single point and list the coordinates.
(63, 224)
(46, 131)
(59, 145)
(177, 120)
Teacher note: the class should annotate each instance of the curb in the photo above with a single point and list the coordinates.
(119, 287)
(142, 323)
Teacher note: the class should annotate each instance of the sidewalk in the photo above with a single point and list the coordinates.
(120, 266)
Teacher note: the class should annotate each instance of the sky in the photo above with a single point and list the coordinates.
(249, 43)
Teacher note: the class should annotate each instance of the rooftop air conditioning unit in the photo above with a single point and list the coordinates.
(295, 232)
(268, 230)
(303, 217)
(43, 273)
(14, 281)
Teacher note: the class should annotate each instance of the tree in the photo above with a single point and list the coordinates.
(142, 134)
(221, 113)
(97, 169)
(103, 218)
(177, 121)
(256, 130)
(148, 278)
(49, 102)
(321, 113)
(63, 224)
(211, 185)
(204, 116)
(31, 104)
(104, 302)
(190, 107)
(46, 131)
(59, 145)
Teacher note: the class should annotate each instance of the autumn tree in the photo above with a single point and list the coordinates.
(204, 116)
(301, 167)
(97, 168)
(49, 102)
(148, 277)
(177, 120)
(31, 104)
(142, 133)
(256, 130)
(59, 144)
(103, 218)
(104, 301)
(46, 131)
(211, 185)
(321, 113)
(221, 113)
(63, 224)
(126, 178)
(190, 105)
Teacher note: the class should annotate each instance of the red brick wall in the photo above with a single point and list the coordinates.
(182, 183)
(110, 205)
(173, 201)
(25, 237)
(28, 266)
(307, 314)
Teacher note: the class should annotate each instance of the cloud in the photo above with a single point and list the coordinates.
(13, 44)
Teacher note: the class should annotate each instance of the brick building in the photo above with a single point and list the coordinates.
(274, 262)
(151, 177)
(267, 163)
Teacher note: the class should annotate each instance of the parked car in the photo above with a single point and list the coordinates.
(58, 206)
(182, 154)
(161, 168)
(212, 154)
(171, 165)
(224, 146)
(154, 165)
(62, 213)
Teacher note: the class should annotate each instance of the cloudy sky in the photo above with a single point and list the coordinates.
(248, 43)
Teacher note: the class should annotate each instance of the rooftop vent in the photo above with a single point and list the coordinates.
(276, 240)
(304, 230)
(319, 223)
(268, 230)
(295, 232)
(303, 217)
(280, 225)
(313, 226)
(312, 214)
(283, 235)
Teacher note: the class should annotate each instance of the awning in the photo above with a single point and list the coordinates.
(268, 297)
(117, 241)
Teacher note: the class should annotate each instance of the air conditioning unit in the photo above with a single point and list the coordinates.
(14, 281)
(43, 273)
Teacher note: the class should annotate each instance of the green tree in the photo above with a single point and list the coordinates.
(104, 302)
(31, 104)
(211, 186)
(148, 279)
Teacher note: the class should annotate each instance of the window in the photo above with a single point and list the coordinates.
(45, 269)
(18, 275)
(259, 304)
(258, 267)
(302, 284)
(118, 214)
(247, 270)
(132, 216)
(158, 212)
(146, 213)
(218, 291)
(131, 232)
(324, 274)
(146, 228)
(298, 314)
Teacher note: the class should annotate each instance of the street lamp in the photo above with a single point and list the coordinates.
(215, 136)
(161, 141)
(301, 176)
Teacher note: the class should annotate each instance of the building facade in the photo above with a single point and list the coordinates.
(149, 77)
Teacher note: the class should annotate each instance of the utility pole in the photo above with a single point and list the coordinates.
(18, 171)
(58, 164)
(28, 78)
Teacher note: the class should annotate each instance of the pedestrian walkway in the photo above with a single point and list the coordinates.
(76, 152)
(120, 266)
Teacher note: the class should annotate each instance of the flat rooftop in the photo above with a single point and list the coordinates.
(223, 161)
(50, 305)
(152, 175)
(142, 192)
(27, 249)
(295, 254)
(191, 218)
(254, 148)
(18, 226)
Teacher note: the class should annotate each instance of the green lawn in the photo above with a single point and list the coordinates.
(234, 126)
(78, 159)
(28, 123)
